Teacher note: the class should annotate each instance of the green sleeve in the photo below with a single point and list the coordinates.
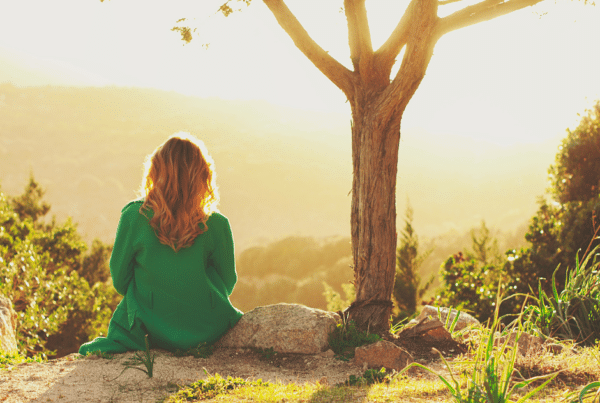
(223, 255)
(121, 259)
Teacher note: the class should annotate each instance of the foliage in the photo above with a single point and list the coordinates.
(574, 313)
(565, 224)
(346, 337)
(40, 272)
(212, 387)
(472, 280)
(408, 290)
(335, 302)
(8, 360)
(370, 377)
(575, 176)
(30, 204)
(490, 379)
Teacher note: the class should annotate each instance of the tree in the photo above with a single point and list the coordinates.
(570, 223)
(30, 204)
(408, 289)
(575, 176)
(485, 247)
(378, 102)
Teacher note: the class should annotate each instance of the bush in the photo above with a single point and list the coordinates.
(40, 272)
(574, 313)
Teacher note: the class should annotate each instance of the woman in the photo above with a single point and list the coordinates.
(173, 258)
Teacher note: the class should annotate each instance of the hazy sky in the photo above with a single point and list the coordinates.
(521, 77)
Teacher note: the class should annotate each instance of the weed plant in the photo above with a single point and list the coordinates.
(574, 314)
(144, 358)
(370, 377)
(346, 337)
(266, 354)
(491, 377)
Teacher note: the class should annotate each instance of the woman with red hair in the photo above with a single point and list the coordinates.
(173, 257)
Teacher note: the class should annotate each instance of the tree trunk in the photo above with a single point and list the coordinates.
(373, 215)
(377, 109)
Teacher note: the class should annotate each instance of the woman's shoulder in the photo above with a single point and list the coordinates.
(132, 209)
(217, 218)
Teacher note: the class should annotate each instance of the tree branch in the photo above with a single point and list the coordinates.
(359, 37)
(336, 72)
(385, 56)
(422, 37)
(484, 11)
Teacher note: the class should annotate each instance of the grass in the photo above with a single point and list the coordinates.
(419, 384)
(9, 360)
(493, 371)
(346, 337)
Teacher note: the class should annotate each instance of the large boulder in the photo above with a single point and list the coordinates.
(8, 326)
(464, 319)
(287, 328)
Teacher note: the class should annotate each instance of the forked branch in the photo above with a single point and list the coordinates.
(385, 56)
(483, 11)
(336, 72)
(359, 36)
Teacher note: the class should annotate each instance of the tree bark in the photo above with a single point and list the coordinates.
(377, 109)
(373, 213)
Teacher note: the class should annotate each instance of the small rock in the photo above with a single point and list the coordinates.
(555, 348)
(328, 354)
(382, 354)
(439, 334)
(287, 328)
(527, 342)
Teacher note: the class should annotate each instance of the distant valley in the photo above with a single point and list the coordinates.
(280, 171)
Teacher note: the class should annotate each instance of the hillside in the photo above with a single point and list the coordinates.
(280, 171)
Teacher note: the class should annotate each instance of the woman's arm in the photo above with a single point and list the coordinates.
(121, 259)
(223, 256)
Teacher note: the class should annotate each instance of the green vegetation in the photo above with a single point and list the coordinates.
(370, 377)
(145, 358)
(562, 225)
(43, 270)
(408, 290)
(574, 313)
(212, 387)
(346, 337)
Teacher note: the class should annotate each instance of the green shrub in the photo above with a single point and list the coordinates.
(573, 313)
(346, 337)
(40, 272)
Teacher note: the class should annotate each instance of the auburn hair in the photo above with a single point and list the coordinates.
(179, 187)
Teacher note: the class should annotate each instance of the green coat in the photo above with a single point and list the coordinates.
(178, 299)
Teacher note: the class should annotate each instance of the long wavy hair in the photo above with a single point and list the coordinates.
(179, 187)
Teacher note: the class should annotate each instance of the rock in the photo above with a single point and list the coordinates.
(527, 342)
(555, 348)
(382, 354)
(8, 326)
(464, 319)
(328, 354)
(287, 328)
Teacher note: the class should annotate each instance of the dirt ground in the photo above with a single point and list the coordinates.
(93, 379)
